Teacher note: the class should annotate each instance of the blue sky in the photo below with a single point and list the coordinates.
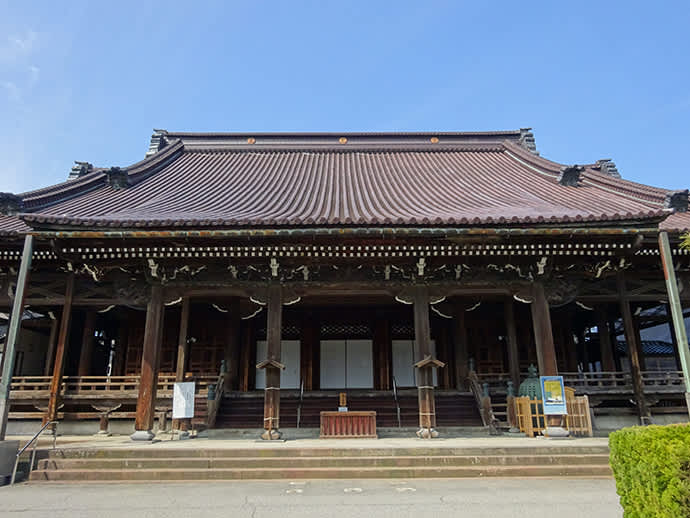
(89, 80)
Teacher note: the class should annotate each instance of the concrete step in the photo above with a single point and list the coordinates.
(128, 475)
(321, 462)
(279, 450)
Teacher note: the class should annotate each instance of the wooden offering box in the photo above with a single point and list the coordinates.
(348, 425)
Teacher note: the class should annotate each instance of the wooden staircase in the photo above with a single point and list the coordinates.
(245, 410)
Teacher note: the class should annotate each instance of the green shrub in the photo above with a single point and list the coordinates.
(652, 470)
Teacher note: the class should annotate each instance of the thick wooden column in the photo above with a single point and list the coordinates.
(632, 339)
(87, 343)
(61, 351)
(182, 341)
(13, 332)
(383, 355)
(309, 341)
(424, 363)
(148, 382)
(52, 342)
(232, 346)
(272, 364)
(608, 362)
(676, 311)
(511, 336)
(674, 339)
(460, 343)
(121, 351)
(543, 333)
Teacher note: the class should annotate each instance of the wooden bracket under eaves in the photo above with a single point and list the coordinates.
(270, 363)
(428, 360)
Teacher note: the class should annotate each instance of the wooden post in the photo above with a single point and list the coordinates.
(546, 351)
(308, 341)
(13, 333)
(61, 351)
(543, 334)
(422, 355)
(460, 342)
(150, 357)
(272, 364)
(232, 346)
(383, 354)
(121, 351)
(511, 336)
(87, 344)
(182, 342)
(676, 311)
(52, 342)
(632, 339)
(674, 339)
(608, 362)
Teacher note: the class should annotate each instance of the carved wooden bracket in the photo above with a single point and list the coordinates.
(270, 363)
(428, 361)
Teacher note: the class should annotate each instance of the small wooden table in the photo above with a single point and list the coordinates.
(348, 425)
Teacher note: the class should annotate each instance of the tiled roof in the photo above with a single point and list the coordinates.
(368, 179)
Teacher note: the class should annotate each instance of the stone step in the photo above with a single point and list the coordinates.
(320, 462)
(280, 450)
(584, 470)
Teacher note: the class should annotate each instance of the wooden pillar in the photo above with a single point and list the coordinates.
(232, 346)
(383, 347)
(423, 356)
(632, 338)
(676, 311)
(460, 343)
(52, 341)
(307, 342)
(61, 351)
(121, 350)
(543, 334)
(569, 340)
(182, 341)
(511, 336)
(546, 351)
(13, 332)
(150, 358)
(608, 362)
(674, 339)
(272, 364)
(443, 353)
(87, 343)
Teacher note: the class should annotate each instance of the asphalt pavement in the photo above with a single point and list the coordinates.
(418, 498)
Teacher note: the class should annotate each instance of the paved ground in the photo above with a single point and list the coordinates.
(472, 498)
(242, 441)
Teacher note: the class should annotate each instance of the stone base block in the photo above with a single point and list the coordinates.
(271, 435)
(142, 435)
(427, 433)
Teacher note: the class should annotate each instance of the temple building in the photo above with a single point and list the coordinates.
(410, 271)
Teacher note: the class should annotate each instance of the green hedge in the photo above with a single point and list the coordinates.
(652, 469)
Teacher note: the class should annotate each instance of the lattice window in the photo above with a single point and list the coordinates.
(340, 330)
(288, 332)
(402, 331)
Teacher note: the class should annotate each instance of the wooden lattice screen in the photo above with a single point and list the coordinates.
(531, 420)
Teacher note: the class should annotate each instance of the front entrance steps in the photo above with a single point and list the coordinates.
(245, 409)
(169, 463)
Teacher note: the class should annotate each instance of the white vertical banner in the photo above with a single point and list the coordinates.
(183, 400)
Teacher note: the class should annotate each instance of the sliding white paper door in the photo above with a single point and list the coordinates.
(346, 364)
(403, 363)
(290, 357)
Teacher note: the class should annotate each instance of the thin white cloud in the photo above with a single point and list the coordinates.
(16, 47)
(34, 74)
(12, 91)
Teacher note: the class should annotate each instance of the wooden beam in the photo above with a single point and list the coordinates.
(143, 423)
(273, 354)
(87, 344)
(511, 336)
(61, 351)
(13, 333)
(52, 342)
(608, 361)
(543, 333)
(425, 377)
(632, 339)
(460, 343)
